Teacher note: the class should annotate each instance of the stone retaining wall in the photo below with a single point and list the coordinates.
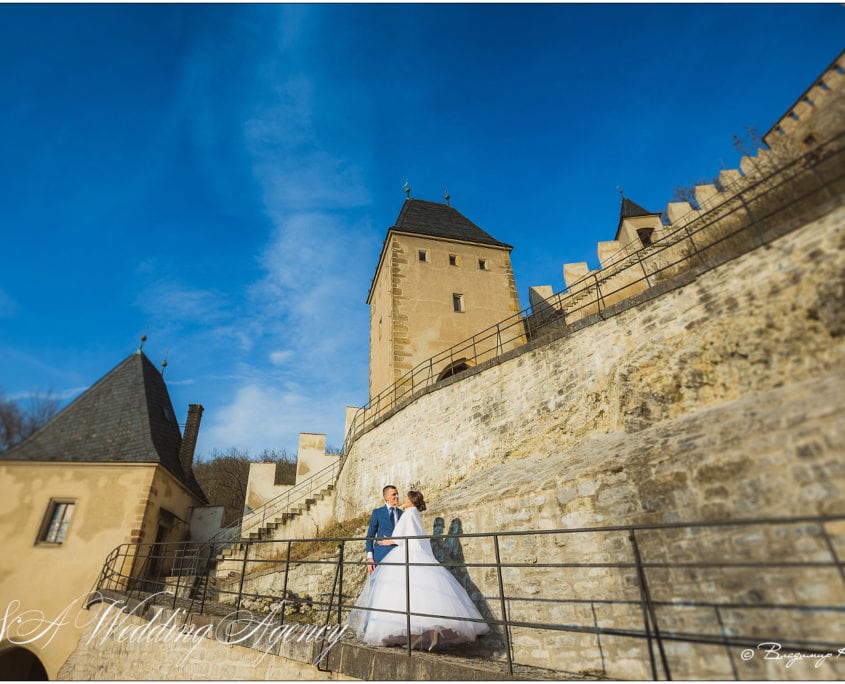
(722, 399)
(770, 318)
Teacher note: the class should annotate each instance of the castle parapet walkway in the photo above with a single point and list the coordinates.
(729, 599)
(753, 211)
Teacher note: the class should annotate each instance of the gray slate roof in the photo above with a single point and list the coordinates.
(126, 417)
(441, 221)
(432, 219)
(630, 209)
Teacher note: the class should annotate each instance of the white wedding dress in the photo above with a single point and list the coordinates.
(433, 590)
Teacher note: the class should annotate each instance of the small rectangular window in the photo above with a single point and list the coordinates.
(458, 302)
(453, 259)
(56, 521)
(482, 264)
(423, 255)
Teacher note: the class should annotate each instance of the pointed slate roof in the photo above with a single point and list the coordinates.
(432, 219)
(630, 209)
(125, 417)
(441, 221)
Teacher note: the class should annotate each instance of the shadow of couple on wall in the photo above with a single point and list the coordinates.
(449, 552)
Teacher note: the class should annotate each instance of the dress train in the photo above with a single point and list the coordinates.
(433, 590)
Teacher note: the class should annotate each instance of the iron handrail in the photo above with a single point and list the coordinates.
(654, 630)
(422, 376)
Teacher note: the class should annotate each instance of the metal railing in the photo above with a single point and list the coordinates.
(279, 506)
(722, 588)
(750, 213)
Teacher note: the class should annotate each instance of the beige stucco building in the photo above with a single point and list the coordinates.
(440, 280)
(111, 468)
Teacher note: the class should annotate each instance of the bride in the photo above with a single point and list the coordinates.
(433, 590)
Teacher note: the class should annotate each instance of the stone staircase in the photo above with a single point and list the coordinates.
(301, 519)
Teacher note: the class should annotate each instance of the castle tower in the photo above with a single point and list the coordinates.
(637, 225)
(440, 279)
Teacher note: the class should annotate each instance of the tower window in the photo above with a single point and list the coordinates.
(453, 259)
(645, 236)
(458, 302)
(482, 264)
(56, 521)
(423, 253)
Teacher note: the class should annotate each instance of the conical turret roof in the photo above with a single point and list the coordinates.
(631, 209)
(125, 417)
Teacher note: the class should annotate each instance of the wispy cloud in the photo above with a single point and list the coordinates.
(262, 417)
(62, 395)
(173, 301)
(302, 320)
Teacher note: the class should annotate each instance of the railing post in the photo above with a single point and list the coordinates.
(178, 569)
(642, 266)
(285, 586)
(648, 610)
(599, 299)
(212, 554)
(503, 605)
(832, 551)
(753, 218)
(694, 246)
(408, 596)
(243, 575)
(340, 586)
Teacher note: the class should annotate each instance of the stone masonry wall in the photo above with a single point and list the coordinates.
(722, 399)
(771, 318)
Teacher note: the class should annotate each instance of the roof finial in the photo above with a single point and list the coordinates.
(407, 190)
(619, 190)
(446, 196)
(164, 363)
(143, 339)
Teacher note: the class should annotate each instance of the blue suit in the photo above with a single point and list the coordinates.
(380, 526)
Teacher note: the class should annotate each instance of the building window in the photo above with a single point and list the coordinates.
(645, 236)
(56, 521)
(453, 259)
(458, 302)
(482, 264)
(423, 255)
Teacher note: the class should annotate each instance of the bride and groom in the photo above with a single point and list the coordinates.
(433, 589)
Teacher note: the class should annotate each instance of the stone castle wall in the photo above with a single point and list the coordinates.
(766, 320)
(721, 399)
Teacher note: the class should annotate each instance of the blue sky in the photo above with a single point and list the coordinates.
(222, 176)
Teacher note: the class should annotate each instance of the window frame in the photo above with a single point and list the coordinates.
(458, 302)
(54, 532)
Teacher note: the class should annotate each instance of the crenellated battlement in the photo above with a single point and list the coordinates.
(809, 126)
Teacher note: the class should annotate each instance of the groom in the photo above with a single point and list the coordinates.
(382, 522)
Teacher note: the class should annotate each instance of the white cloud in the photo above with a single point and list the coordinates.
(265, 417)
(278, 358)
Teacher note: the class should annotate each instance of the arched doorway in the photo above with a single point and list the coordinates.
(19, 663)
(454, 368)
